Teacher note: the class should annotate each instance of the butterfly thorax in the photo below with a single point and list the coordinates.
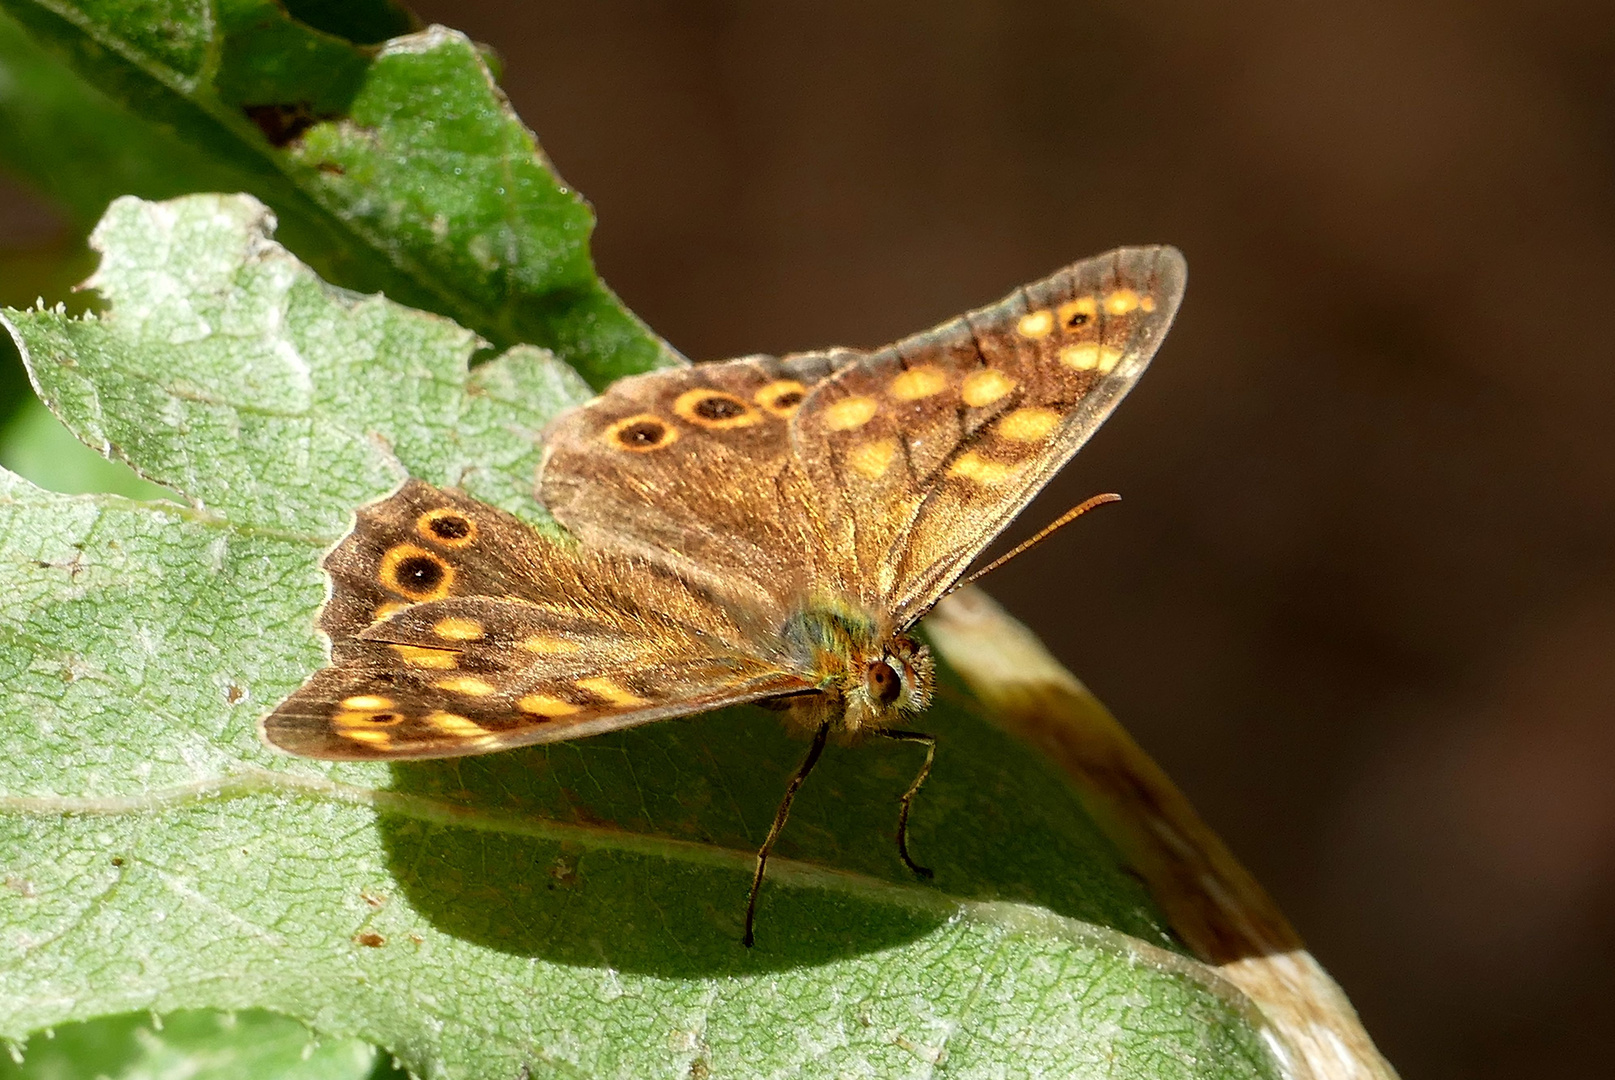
(869, 677)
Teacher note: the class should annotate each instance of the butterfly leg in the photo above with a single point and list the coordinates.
(929, 742)
(780, 815)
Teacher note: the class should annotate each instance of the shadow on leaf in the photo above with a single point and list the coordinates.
(993, 821)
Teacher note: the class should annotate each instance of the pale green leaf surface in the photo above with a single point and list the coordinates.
(36, 445)
(196, 1045)
(397, 167)
(575, 907)
(280, 402)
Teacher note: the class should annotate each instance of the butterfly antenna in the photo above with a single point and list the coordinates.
(1042, 534)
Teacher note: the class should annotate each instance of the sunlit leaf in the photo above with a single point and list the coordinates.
(576, 908)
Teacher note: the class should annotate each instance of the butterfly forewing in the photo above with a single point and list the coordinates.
(691, 469)
(933, 444)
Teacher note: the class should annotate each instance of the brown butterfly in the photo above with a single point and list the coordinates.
(747, 530)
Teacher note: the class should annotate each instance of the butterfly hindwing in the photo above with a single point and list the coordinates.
(374, 707)
(935, 443)
(422, 543)
(457, 629)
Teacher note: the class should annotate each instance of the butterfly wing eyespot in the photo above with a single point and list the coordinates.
(447, 526)
(1075, 314)
(715, 409)
(641, 433)
(781, 397)
(416, 573)
(354, 719)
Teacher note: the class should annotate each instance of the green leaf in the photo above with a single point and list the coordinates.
(37, 446)
(397, 167)
(294, 402)
(54, 125)
(574, 908)
(193, 1046)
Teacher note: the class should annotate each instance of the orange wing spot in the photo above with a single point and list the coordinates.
(708, 408)
(367, 702)
(546, 706)
(641, 433)
(368, 736)
(391, 607)
(446, 526)
(917, 383)
(458, 628)
(469, 685)
(1075, 314)
(454, 724)
(416, 573)
(1028, 425)
(1146, 303)
(849, 413)
(433, 659)
(1036, 325)
(1120, 302)
(1090, 357)
(611, 691)
(781, 397)
(871, 460)
(984, 387)
(977, 469)
(350, 720)
(548, 645)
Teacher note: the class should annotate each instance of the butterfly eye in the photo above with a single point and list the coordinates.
(883, 682)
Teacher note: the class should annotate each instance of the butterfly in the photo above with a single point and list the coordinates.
(753, 530)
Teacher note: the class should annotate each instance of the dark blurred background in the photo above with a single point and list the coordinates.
(1360, 598)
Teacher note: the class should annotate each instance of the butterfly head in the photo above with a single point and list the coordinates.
(870, 678)
(887, 683)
